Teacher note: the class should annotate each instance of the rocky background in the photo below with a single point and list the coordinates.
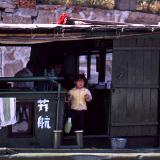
(13, 59)
(27, 12)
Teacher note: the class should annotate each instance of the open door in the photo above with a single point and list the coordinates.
(135, 83)
(97, 68)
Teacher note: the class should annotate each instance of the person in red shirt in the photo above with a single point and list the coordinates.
(64, 19)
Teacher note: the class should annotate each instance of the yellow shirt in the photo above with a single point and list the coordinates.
(78, 100)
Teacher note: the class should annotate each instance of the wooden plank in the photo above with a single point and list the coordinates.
(138, 105)
(140, 43)
(123, 105)
(131, 67)
(155, 67)
(123, 68)
(146, 112)
(119, 68)
(149, 86)
(116, 105)
(137, 48)
(36, 40)
(131, 42)
(135, 124)
(139, 69)
(134, 131)
(138, 99)
(154, 105)
(148, 42)
(156, 42)
(94, 22)
(119, 106)
(116, 43)
(130, 114)
(147, 68)
(123, 41)
(125, 26)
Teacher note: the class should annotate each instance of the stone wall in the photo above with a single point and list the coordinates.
(49, 14)
(124, 5)
(14, 58)
(24, 3)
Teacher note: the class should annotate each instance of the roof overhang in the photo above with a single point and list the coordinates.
(27, 34)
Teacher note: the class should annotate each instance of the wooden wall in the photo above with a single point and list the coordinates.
(135, 81)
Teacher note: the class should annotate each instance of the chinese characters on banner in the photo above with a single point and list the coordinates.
(43, 122)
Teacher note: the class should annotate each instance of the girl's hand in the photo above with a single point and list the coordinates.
(69, 97)
(87, 98)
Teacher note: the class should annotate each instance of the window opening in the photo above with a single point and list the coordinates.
(97, 68)
(83, 65)
(24, 116)
(108, 70)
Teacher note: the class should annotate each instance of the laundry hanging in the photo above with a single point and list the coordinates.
(7, 111)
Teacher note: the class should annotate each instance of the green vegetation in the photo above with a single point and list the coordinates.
(107, 4)
(152, 6)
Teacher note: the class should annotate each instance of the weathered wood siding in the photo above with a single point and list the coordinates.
(134, 109)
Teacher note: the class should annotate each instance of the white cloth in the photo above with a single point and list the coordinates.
(7, 111)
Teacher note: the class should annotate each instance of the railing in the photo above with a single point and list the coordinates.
(32, 93)
(22, 79)
(27, 79)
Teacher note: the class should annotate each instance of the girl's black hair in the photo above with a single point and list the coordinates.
(81, 76)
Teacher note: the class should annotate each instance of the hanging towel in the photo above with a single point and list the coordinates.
(7, 111)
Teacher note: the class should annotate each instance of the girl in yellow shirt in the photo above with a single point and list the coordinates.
(78, 96)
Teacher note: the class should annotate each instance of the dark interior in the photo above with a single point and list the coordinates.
(67, 53)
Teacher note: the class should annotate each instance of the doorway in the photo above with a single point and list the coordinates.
(94, 59)
(98, 70)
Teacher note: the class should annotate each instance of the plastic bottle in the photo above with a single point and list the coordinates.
(68, 125)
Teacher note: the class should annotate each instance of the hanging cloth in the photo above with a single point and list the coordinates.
(7, 111)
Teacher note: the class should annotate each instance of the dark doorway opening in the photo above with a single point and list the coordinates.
(94, 59)
(98, 70)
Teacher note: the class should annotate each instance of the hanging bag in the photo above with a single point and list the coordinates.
(68, 125)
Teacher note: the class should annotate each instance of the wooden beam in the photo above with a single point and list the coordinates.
(135, 48)
(134, 124)
(95, 22)
(139, 86)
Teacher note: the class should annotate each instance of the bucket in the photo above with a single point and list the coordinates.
(118, 143)
(57, 138)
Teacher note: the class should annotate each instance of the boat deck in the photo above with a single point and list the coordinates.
(79, 154)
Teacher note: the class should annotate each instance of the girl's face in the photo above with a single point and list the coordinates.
(80, 83)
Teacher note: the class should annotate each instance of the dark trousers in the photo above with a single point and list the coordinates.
(78, 119)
